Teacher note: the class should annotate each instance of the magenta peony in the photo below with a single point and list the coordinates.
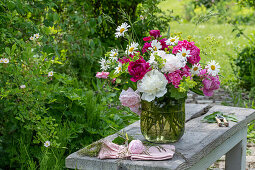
(194, 50)
(138, 69)
(136, 147)
(145, 47)
(210, 84)
(103, 75)
(163, 43)
(155, 33)
(146, 38)
(131, 99)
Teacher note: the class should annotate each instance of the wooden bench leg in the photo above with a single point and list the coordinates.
(236, 157)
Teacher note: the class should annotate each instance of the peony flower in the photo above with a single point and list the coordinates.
(171, 64)
(146, 47)
(121, 30)
(146, 38)
(103, 75)
(138, 69)
(131, 99)
(194, 51)
(124, 60)
(174, 78)
(136, 147)
(210, 83)
(163, 43)
(155, 33)
(47, 144)
(152, 85)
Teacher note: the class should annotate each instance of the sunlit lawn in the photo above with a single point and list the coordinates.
(220, 32)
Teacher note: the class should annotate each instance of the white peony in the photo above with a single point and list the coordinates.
(171, 64)
(152, 85)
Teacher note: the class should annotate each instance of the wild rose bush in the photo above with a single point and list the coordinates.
(162, 66)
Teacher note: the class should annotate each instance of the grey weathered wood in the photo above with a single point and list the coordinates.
(222, 149)
(198, 141)
(235, 158)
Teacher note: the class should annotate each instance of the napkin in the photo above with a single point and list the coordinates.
(111, 150)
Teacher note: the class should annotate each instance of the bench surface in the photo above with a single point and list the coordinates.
(198, 141)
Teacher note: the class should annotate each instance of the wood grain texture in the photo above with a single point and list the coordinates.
(198, 141)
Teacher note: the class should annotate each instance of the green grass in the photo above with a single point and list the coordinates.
(227, 42)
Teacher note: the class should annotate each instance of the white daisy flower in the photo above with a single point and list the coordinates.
(1, 60)
(155, 46)
(152, 61)
(141, 17)
(5, 60)
(118, 69)
(32, 38)
(104, 64)
(213, 68)
(23, 86)
(36, 35)
(196, 69)
(172, 40)
(121, 30)
(131, 49)
(184, 53)
(50, 74)
(47, 144)
(114, 54)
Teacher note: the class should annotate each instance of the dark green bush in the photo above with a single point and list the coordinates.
(245, 66)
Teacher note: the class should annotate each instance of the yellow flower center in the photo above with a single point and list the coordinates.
(195, 69)
(119, 68)
(172, 40)
(213, 67)
(155, 48)
(131, 49)
(115, 54)
(184, 54)
(121, 30)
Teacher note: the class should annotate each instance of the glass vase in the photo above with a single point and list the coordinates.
(163, 120)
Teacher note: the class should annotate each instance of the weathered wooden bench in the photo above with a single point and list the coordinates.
(201, 145)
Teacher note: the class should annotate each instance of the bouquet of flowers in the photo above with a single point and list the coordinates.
(162, 66)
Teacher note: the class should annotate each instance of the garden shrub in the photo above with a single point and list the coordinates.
(70, 108)
(245, 66)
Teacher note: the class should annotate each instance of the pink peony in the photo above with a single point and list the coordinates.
(146, 38)
(138, 69)
(194, 50)
(103, 75)
(210, 84)
(131, 99)
(136, 147)
(176, 77)
(145, 47)
(155, 33)
(124, 60)
(163, 43)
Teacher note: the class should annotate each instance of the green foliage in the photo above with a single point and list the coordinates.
(244, 66)
(211, 118)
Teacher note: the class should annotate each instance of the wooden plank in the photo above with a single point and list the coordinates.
(206, 137)
(198, 141)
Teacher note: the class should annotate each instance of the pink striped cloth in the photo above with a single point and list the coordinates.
(111, 150)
